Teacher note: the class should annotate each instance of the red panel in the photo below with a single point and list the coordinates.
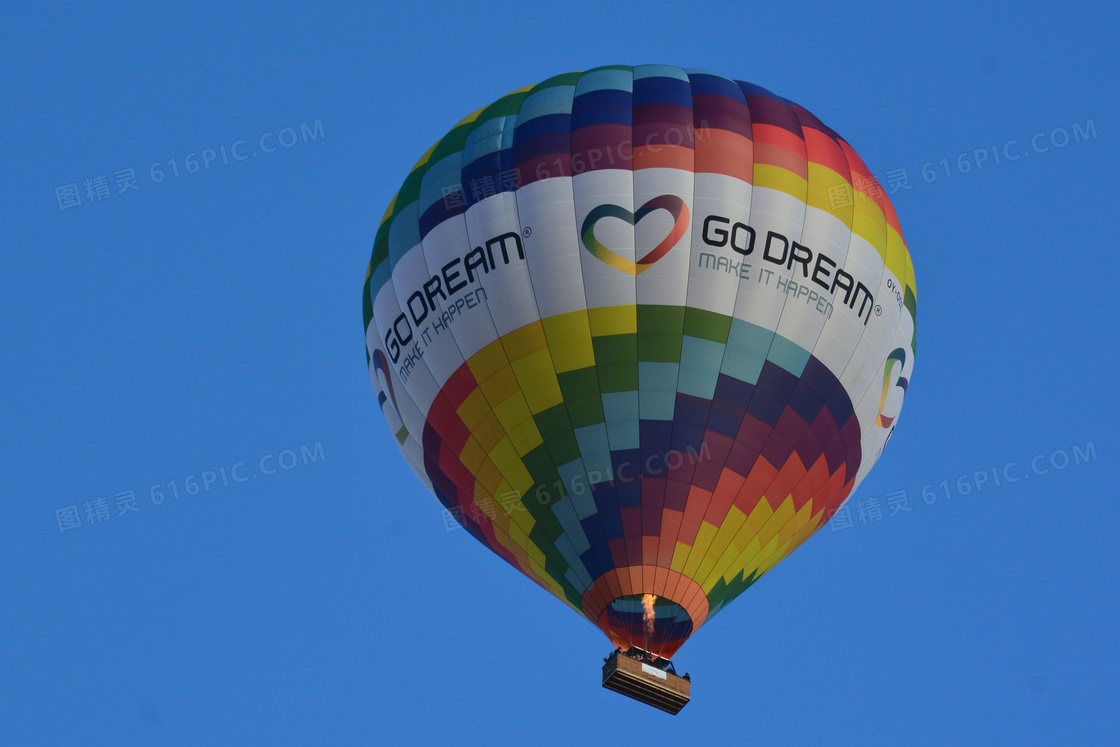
(633, 548)
(758, 480)
(459, 386)
(617, 546)
(663, 156)
(788, 476)
(631, 521)
(753, 433)
(708, 470)
(676, 494)
(741, 458)
(722, 152)
(670, 528)
(811, 485)
(718, 507)
(822, 149)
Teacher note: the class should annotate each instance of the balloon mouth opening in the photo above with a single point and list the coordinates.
(646, 621)
(646, 606)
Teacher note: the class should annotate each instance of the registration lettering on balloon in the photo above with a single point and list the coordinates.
(574, 334)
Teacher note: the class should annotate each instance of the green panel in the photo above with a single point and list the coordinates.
(615, 349)
(553, 421)
(538, 463)
(452, 143)
(563, 447)
(665, 348)
(547, 529)
(619, 377)
(661, 319)
(586, 411)
(910, 301)
(724, 592)
(564, 79)
(380, 249)
(582, 382)
(706, 325)
(367, 309)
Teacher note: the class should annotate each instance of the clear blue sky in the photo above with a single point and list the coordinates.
(183, 325)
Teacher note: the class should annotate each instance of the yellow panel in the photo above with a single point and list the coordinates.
(522, 481)
(760, 561)
(750, 559)
(737, 565)
(803, 516)
(784, 513)
(728, 569)
(577, 610)
(509, 462)
(393, 202)
(907, 268)
(614, 320)
(777, 556)
(538, 381)
(839, 202)
(898, 259)
(730, 526)
(801, 535)
(536, 557)
(474, 408)
(500, 386)
(760, 514)
(481, 493)
(783, 180)
(472, 456)
(500, 520)
(520, 535)
(706, 566)
(526, 437)
(725, 560)
(551, 585)
(513, 412)
(680, 556)
(524, 341)
(490, 477)
(486, 362)
(869, 223)
(519, 516)
(525, 520)
(746, 540)
(488, 431)
(699, 548)
(569, 341)
(518, 552)
(743, 537)
(719, 543)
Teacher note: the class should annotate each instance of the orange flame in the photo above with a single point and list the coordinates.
(647, 616)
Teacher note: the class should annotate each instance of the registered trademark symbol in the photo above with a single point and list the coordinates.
(878, 311)
(527, 232)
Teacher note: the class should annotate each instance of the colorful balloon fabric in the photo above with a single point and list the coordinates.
(641, 330)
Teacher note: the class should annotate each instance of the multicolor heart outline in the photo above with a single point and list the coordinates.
(671, 203)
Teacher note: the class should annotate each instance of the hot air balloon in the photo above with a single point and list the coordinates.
(641, 330)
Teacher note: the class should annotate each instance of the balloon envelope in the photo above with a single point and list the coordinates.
(641, 330)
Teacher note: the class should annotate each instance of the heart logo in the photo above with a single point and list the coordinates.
(671, 203)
